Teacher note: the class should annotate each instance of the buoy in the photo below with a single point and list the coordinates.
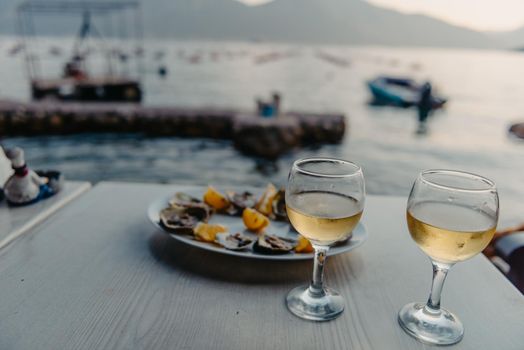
(162, 71)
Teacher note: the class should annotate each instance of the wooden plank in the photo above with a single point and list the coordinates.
(16, 221)
(98, 275)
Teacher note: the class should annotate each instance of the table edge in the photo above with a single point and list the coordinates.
(82, 188)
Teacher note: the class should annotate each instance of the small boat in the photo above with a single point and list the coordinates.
(517, 130)
(76, 82)
(399, 92)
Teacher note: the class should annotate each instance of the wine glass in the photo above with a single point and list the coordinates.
(324, 201)
(452, 216)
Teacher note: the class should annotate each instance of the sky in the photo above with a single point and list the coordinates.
(498, 15)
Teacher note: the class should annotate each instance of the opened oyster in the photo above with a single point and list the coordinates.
(181, 198)
(270, 244)
(178, 220)
(239, 202)
(200, 210)
(182, 219)
(236, 241)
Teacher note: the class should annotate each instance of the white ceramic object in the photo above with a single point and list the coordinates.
(235, 224)
(25, 187)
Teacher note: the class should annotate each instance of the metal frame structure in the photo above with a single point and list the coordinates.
(27, 31)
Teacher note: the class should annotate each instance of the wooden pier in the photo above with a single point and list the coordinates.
(251, 134)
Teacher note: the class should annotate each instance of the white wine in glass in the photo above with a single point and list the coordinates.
(449, 233)
(323, 217)
(452, 216)
(324, 200)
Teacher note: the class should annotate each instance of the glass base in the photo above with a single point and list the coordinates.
(440, 328)
(302, 303)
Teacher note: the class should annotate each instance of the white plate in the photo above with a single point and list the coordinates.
(235, 224)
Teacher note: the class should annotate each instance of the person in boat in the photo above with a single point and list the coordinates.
(424, 106)
(276, 103)
(73, 69)
(269, 109)
(260, 106)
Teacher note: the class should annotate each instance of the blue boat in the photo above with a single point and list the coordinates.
(399, 92)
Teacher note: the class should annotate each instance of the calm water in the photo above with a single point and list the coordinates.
(484, 89)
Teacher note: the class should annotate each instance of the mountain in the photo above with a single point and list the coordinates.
(311, 21)
(304, 21)
(510, 39)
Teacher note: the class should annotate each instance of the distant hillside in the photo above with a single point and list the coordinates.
(306, 21)
(313, 21)
(511, 39)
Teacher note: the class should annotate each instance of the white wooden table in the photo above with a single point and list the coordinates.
(15, 221)
(98, 275)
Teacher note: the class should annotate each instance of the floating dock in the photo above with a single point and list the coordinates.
(251, 134)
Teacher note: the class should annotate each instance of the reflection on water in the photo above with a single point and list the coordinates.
(470, 134)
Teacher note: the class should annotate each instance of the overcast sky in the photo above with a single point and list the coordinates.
(475, 14)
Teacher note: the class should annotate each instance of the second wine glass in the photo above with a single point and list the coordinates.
(324, 199)
(452, 217)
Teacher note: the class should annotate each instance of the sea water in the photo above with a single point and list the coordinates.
(483, 87)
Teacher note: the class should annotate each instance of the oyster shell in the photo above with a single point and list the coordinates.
(236, 241)
(182, 217)
(181, 198)
(279, 206)
(201, 210)
(271, 244)
(178, 220)
(239, 202)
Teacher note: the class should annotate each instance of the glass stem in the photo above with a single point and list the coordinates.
(316, 288)
(440, 271)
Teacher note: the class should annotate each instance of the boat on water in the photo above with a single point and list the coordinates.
(77, 82)
(399, 92)
(517, 130)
